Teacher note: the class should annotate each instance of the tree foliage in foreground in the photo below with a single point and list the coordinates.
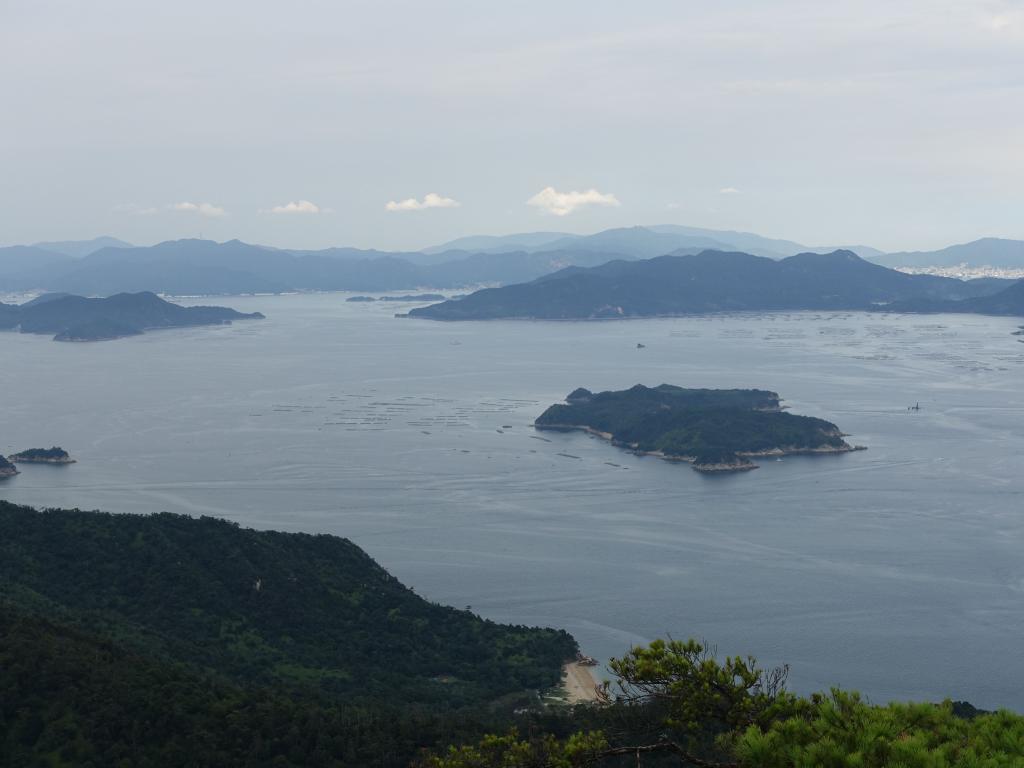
(707, 713)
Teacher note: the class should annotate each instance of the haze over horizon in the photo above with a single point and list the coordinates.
(889, 124)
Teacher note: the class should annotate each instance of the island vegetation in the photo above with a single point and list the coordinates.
(717, 281)
(7, 469)
(98, 329)
(76, 318)
(54, 455)
(717, 430)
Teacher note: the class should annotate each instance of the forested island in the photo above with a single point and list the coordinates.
(7, 469)
(76, 318)
(54, 455)
(718, 281)
(716, 430)
(411, 298)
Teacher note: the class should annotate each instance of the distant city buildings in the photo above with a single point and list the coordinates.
(966, 272)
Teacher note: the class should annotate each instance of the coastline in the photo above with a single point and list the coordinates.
(579, 684)
(18, 460)
(743, 465)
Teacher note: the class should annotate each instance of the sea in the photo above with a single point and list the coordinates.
(897, 571)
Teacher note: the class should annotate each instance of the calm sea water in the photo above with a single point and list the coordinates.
(898, 571)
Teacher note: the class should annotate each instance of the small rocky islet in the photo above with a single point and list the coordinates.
(411, 298)
(715, 430)
(54, 455)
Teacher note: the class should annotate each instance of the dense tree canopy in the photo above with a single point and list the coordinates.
(170, 640)
(711, 426)
(685, 707)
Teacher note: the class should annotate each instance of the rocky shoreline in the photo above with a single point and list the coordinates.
(21, 460)
(742, 464)
(53, 455)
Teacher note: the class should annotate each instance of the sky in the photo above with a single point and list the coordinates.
(396, 125)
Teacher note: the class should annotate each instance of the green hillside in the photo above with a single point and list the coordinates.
(714, 428)
(141, 635)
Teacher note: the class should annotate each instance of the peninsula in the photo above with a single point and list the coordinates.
(715, 430)
(53, 455)
(6, 468)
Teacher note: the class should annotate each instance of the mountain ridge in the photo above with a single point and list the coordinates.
(707, 282)
(986, 251)
(192, 267)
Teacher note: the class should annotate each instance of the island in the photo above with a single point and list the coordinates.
(99, 329)
(715, 430)
(717, 281)
(6, 468)
(77, 318)
(416, 297)
(54, 455)
(413, 298)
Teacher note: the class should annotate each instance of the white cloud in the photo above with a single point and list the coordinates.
(430, 200)
(1009, 22)
(728, 191)
(558, 203)
(133, 209)
(302, 206)
(203, 209)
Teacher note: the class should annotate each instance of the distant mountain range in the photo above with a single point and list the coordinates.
(79, 248)
(203, 267)
(716, 281)
(105, 265)
(641, 242)
(75, 318)
(989, 252)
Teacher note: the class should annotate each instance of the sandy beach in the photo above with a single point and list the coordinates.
(579, 684)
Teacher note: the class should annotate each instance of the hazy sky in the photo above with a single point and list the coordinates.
(895, 123)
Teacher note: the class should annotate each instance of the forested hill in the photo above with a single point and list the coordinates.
(715, 429)
(264, 606)
(169, 640)
(1008, 301)
(77, 318)
(710, 281)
